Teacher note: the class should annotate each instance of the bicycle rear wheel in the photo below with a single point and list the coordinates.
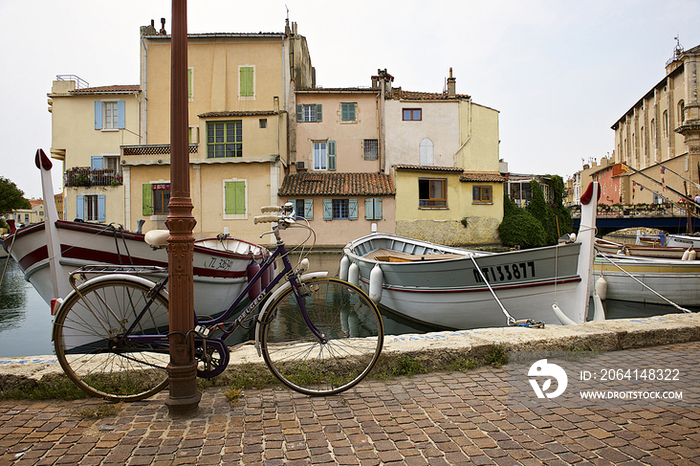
(350, 324)
(88, 338)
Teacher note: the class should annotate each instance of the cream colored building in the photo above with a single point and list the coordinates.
(240, 99)
(88, 127)
(660, 134)
(442, 149)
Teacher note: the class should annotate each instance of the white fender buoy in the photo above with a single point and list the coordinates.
(599, 313)
(601, 288)
(686, 255)
(354, 274)
(561, 316)
(376, 280)
(693, 255)
(344, 265)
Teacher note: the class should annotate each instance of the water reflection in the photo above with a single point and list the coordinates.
(13, 296)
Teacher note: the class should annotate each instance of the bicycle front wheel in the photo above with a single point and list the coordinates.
(93, 348)
(348, 321)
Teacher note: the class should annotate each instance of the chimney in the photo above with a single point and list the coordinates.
(451, 86)
(162, 27)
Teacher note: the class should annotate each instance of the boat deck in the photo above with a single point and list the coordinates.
(386, 255)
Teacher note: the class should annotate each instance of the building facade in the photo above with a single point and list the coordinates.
(659, 136)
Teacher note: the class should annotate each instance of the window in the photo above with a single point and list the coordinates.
(426, 152)
(371, 149)
(225, 139)
(309, 112)
(320, 156)
(235, 199)
(90, 207)
(304, 208)
(109, 115)
(482, 195)
(347, 111)
(665, 123)
(681, 111)
(263, 123)
(412, 114)
(155, 198)
(340, 209)
(246, 83)
(373, 209)
(194, 134)
(432, 192)
(190, 83)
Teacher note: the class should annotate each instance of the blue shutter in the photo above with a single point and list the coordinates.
(98, 115)
(79, 207)
(319, 112)
(352, 209)
(121, 117)
(96, 162)
(377, 209)
(328, 209)
(300, 112)
(309, 209)
(331, 155)
(101, 208)
(369, 209)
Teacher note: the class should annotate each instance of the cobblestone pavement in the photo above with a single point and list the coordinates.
(434, 419)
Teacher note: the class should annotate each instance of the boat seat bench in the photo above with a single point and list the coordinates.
(386, 255)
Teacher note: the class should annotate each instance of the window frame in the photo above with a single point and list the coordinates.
(237, 143)
(229, 211)
(412, 114)
(432, 202)
(304, 117)
(480, 198)
(246, 90)
(162, 191)
(345, 111)
(370, 149)
(319, 155)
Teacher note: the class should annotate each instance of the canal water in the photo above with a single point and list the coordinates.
(25, 319)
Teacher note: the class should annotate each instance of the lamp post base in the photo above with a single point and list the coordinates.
(184, 396)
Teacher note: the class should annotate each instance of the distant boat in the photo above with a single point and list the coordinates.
(453, 288)
(640, 250)
(684, 241)
(47, 252)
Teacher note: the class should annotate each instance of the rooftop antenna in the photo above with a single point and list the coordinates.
(285, 5)
(678, 49)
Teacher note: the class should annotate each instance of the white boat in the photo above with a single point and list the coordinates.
(642, 250)
(452, 288)
(684, 241)
(47, 252)
(674, 280)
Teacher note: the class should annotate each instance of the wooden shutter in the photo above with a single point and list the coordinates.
(146, 199)
(79, 207)
(331, 155)
(121, 117)
(98, 115)
(300, 112)
(328, 209)
(352, 209)
(235, 198)
(319, 112)
(369, 209)
(309, 209)
(247, 83)
(377, 208)
(96, 162)
(101, 208)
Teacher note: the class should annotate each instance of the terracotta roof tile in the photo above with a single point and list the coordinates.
(399, 94)
(491, 177)
(238, 114)
(430, 168)
(337, 184)
(117, 89)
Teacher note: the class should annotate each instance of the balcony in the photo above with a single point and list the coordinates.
(85, 176)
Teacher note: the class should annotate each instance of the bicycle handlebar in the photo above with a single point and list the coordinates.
(270, 208)
(265, 219)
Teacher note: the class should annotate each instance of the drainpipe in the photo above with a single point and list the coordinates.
(145, 91)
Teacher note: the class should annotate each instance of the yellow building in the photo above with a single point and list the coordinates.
(660, 135)
(88, 127)
(240, 99)
(442, 149)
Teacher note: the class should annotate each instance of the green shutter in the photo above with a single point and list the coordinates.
(319, 112)
(369, 209)
(309, 209)
(352, 209)
(377, 209)
(300, 112)
(146, 199)
(331, 155)
(247, 81)
(235, 198)
(328, 209)
(189, 83)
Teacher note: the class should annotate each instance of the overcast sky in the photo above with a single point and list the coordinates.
(560, 72)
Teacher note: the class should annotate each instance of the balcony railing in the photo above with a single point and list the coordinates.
(667, 209)
(85, 176)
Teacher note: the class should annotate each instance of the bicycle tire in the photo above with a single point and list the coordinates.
(349, 320)
(87, 333)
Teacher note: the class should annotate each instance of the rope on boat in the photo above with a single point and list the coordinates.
(605, 256)
(511, 320)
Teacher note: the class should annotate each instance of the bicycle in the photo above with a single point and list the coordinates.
(318, 335)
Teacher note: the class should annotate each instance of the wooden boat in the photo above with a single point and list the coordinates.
(643, 250)
(452, 288)
(684, 241)
(47, 252)
(675, 280)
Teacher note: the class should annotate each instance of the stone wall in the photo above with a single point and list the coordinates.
(478, 231)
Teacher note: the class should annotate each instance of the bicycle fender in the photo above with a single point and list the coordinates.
(106, 278)
(273, 298)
